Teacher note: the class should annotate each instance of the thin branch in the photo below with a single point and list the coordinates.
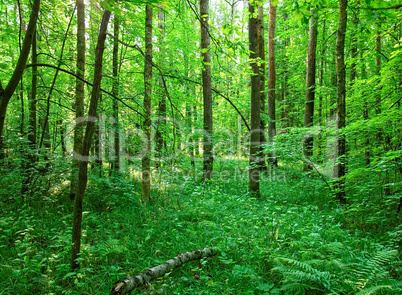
(308, 162)
(135, 46)
(395, 103)
(54, 80)
(86, 82)
(217, 92)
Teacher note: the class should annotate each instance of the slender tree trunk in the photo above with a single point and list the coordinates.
(32, 158)
(115, 91)
(321, 152)
(207, 91)
(161, 126)
(261, 54)
(310, 85)
(7, 92)
(90, 127)
(146, 158)
(79, 97)
(365, 113)
(340, 149)
(271, 81)
(255, 133)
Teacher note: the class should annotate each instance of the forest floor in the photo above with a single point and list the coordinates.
(293, 240)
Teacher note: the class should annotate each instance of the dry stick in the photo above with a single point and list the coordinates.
(127, 285)
(54, 80)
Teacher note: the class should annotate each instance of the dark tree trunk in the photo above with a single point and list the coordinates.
(271, 81)
(8, 91)
(207, 91)
(161, 126)
(255, 133)
(321, 151)
(310, 85)
(86, 146)
(340, 149)
(79, 97)
(146, 158)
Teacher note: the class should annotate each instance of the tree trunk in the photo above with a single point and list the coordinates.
(161, 126)
(79, 97)
(127, 285)
(90, 127)
(321, 151)
(261, 54)
(32, 158)
(146, 158)
(8, 91)
(115, 91)
(310, 86)
(340, 148)
(271, 81)
(255, 133)
(207, 91)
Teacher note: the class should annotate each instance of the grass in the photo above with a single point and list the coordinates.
(294, 240)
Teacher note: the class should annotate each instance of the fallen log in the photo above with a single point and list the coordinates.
(127, 285)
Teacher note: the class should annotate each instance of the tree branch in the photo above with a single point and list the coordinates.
(86, 82)
(127, 285)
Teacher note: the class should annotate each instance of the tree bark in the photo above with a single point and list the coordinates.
(127, 285)
(6, 93)
(263, 93)
(115, 91)
(90, 127)
(271, 81)
(340, 148)
(255, 132)
(161, 127)
(206, 91)
(146, 158)
(310, 86)
(79, 98)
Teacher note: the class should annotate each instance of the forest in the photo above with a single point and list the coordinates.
(200, 147)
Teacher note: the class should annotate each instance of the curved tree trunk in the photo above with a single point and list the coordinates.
(340, 149)
(206, 90)
(146, 158)
(86, 146)
(8, 91)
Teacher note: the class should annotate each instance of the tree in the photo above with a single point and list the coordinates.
(115, 91)
(7, 92)
(271, 80)
(340, 148)
(79, 97)
(161, 127)
(206, 90)
(146, 158)
(86, 145)
(310, 84)
(255, 132)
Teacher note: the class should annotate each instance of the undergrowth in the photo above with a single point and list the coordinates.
(294, 240)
